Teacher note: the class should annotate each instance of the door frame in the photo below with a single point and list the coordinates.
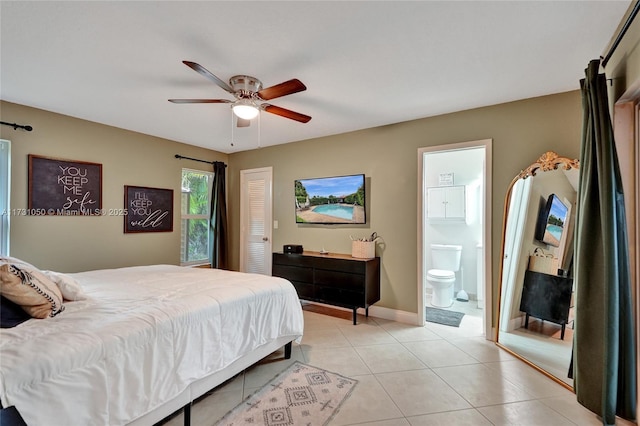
(486, 231)
(5, 193)
(626, 127)
(268, 227)
(520, 194)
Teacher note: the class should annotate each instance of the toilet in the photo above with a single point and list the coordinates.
(445, 262)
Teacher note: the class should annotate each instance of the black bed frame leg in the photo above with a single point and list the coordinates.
(287, 350)
(186, 411)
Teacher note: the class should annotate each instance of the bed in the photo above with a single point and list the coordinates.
(139, 343)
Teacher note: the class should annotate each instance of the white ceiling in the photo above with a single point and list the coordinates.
(365, 63)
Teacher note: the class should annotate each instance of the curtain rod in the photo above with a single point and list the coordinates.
(623, 30)
(17, 126)
(182, 157)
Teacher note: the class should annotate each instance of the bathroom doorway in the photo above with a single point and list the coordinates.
(454, 193)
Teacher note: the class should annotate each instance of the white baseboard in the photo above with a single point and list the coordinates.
(515, 323)
(393, 315)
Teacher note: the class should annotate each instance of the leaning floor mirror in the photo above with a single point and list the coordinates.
(536, 308)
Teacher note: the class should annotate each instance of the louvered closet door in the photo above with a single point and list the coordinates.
(255, 217)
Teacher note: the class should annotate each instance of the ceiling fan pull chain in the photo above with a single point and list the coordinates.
(259, 132)
(231, 115)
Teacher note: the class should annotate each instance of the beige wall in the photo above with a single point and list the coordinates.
(72, 244)
(521, 132)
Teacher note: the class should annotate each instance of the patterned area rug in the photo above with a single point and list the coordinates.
(442, 316)
(300, 395)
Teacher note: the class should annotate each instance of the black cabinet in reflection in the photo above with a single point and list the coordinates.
(547, 297)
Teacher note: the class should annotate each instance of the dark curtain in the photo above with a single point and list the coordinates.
(604, 355)
(219, 232)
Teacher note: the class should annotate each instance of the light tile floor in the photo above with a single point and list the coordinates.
(408, 375)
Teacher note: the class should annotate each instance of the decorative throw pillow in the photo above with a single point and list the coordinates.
(11, 314)
(31, 289)
(69, 287)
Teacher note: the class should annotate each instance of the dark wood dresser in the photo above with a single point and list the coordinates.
(547, 297)
(334, 279)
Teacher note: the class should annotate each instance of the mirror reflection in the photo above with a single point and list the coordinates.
(536, 311)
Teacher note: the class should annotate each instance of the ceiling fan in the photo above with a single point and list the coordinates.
(249, 93)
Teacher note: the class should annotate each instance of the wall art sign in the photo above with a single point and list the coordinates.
(64, 187)
(445, 179)
(148, 209)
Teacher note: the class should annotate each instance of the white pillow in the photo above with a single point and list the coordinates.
(15, 261)
(69, 287)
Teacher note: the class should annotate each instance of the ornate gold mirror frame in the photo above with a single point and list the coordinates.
(549, 161)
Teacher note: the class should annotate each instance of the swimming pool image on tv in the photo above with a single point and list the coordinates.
(554, 217)
(330, 200)
(555, 231)
(335, 210)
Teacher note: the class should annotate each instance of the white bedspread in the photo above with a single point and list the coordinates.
(142, 336)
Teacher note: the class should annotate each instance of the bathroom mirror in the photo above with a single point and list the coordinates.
(536, 307)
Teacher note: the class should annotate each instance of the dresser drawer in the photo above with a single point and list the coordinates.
(293, 259)
(338, 279)
(340, 297)
(305, 291)
(342, 265)
(293, 273)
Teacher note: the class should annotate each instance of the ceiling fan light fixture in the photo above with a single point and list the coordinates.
(245, 109)
(248, 91)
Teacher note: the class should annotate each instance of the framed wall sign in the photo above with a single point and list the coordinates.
(445, 179)
(148, 209)
(64, 187)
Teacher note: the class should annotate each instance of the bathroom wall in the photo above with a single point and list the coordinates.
(466, 166)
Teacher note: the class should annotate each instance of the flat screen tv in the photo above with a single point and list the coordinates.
(330, 200)
(551, 221)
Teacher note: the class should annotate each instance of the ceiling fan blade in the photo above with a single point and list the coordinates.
(285, 113)
(241, 122)
(202, 70)
(200, 101)
(282, 89)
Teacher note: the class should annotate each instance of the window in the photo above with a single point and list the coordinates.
(5, 188)
(195, 213)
